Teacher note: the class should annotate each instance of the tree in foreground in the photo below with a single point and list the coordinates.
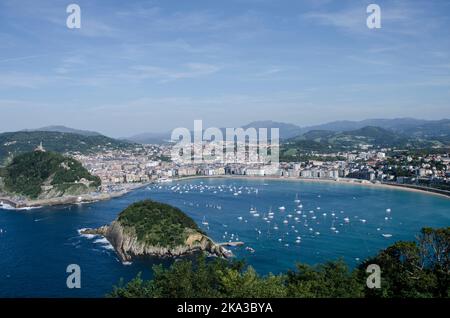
(409, 270)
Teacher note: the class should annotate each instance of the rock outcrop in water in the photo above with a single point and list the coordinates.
(143, 230)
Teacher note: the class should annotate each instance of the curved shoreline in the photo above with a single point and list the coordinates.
(108, 196)
(348, 181)
(68, 200)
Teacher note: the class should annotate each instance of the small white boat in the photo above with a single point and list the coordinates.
(282, 208)
(387, 235)
(251, 250)
(204, 222)
(297, 200)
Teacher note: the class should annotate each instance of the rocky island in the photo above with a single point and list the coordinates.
(45, 178)
(149, 228)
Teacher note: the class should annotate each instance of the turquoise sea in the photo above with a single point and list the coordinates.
(319, 222)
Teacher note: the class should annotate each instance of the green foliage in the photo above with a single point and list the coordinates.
(409, 269)
(332, 279)
(27, 173)
(414, 269)
(248, 284)
(14, 143)
(158, 224)
(216, 278)
(324, 141)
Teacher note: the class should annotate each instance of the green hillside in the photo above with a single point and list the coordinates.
(158, 224)
(35, 174)
(14, 143)
(326, 141)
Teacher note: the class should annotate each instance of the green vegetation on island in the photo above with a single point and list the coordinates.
(158, 224)
(38, 173)
(408, 270)
(149, 228)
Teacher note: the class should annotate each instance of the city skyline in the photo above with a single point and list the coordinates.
(142, 66)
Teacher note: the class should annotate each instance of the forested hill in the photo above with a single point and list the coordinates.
(149, 228)
(158, 223)
(45, 174)
(13, 143)
(327, 141)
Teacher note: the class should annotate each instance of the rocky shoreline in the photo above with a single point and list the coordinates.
(128, 247)
(85, 198)
(24, 203)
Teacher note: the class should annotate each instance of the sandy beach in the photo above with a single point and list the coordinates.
(89, 198)
(344, 181)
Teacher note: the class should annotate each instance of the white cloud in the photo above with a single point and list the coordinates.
(398, 17)
(352, 19)
(189, 70)
(24, 80)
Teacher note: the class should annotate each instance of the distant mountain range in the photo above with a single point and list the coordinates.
(337, 135)
(408, 126)
(328, 141)
(64, 129)
(150, 138)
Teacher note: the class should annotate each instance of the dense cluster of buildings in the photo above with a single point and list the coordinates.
(151, 163)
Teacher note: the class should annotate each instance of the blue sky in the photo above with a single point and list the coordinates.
(139, 66)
